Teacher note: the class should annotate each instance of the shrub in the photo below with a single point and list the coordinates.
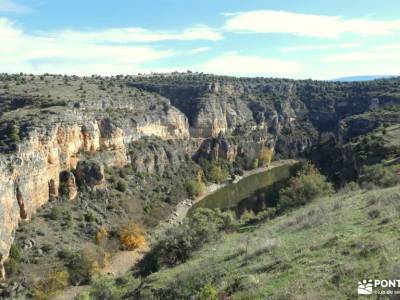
(208, 292)
(265, 157)
(194, 188)
(122, 186)
(15, 134)
(13, 265)
(89, 217)
(56, 213)
(51, 285)
(218, 174)
(303, 188)
(247, 216)
(215, 171)
(178, 243)
(103, 287)
(132, 236)
(16, 252)
(101, 235)
(380, 175)
(255, 164)
(350, 187)
(84, 296)
(244, 283)
(86, 263)
(113, 179)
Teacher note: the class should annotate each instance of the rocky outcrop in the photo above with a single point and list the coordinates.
(211, 108)
(42, 163)
(151, 155)
(357, 125)
(68, 185)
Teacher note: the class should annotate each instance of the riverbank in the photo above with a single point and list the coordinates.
(123, 261)
(184, 206)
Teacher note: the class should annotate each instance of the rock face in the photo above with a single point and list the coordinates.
(153, 156)
(41, 165)
(68, 185)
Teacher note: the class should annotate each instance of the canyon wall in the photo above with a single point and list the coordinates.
(31, 174)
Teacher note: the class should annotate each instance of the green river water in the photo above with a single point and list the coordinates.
(254, 192)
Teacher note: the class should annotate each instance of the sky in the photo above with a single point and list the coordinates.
(318, 39)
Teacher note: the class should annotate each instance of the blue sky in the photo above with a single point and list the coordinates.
(296, 39)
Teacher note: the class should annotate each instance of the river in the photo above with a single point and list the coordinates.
(254, 192)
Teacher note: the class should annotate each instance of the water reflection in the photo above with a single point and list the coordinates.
(255, 192)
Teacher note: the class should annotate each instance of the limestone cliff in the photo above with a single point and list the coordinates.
(32, 173)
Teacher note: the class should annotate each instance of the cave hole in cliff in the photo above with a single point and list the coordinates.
(52, 188)
(21, 204)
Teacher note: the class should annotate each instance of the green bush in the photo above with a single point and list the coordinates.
(121, 186)
(15, 134)
(89, 216)
(51, 285)
(218, 174)
(208, 292)
(255, 163)
(103, 287)
(84, 264)
(380, 175)
(178, 243)
(194, 188)
(56, 213)
(16, 252)
(215, 171)
(13, 265)
(307, 185)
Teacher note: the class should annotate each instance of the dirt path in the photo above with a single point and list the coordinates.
(123, 261)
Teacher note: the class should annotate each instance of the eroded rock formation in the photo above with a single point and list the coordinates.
(29, 176)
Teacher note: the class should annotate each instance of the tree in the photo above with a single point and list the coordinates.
(265, 157)
(132, 236)
(307, 185)
(194, 188)
(101, 235)
(86, 263)
(15, 134)
(218, 174)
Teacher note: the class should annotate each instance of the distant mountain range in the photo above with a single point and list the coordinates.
(363, 78)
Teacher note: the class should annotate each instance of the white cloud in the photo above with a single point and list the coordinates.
(362, 56)
(386, 47)
(269, 21)
(385, 52)
(380, 60)
(198, 50)
(40, 53)
(321, 47)
(10, 6)
(233, 63)
(138, 35)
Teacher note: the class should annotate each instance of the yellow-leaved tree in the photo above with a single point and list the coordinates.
(132, 236)
(265, 158)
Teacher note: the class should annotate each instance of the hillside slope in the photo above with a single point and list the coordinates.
(319, 251)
